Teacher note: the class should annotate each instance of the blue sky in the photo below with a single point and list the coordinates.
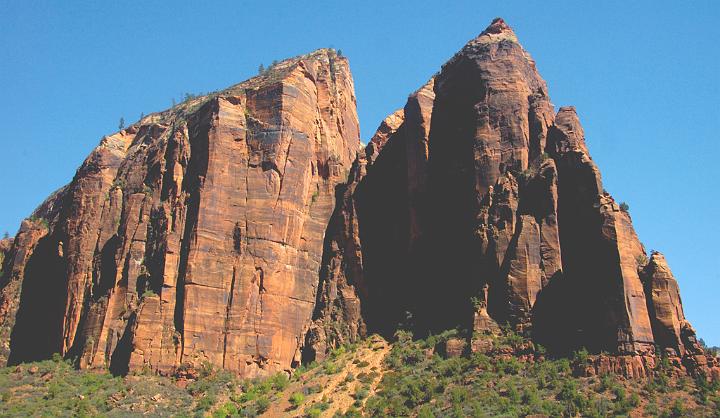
(644, 76)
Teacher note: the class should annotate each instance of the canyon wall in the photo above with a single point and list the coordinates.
(194, 235)
(477, 206)
(248, 229)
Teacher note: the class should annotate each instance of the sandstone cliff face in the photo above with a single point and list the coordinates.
(21, 265)
(478, 190)
(248, 229)
(197, 233)
(670, 328)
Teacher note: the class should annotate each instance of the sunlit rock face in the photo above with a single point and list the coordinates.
(196, 234)
(248, 229)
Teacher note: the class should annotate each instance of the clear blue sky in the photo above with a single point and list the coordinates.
(644, 75)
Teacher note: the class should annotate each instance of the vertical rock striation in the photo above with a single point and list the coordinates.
(248, 229)
(195, 235)
(670, 328)
(477, 205)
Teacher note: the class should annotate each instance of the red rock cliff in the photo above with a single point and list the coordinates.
(197, 233)
(477, 205)
(247, 229)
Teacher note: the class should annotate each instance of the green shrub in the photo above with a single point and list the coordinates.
(572, 399)
(425, 411)
(459, 394)
(310, 389)
(296, 399)
(581, 356)
(677, 410)
(513, 394)
(227, 410)
(313, 412)
(607, 382)
(331, 368)
(279, 381)
(361, 393)
(262, 404)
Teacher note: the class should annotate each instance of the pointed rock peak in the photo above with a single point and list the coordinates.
(657, 260)
(426, 88)
(386, 129)
(497, 26)
(567, 120)
(496, 32)
(567, 134)
(568, 111)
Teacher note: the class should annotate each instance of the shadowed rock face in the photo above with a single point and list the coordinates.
(248, 229)
(477, 189)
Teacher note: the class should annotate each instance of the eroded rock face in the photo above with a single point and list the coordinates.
(197, 234)
(249, 230)
(670, 328)
(601, 252)
(478, 189)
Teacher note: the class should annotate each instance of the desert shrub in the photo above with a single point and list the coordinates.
(313, 413)
(599, 408)
(513, 394)
(677, 410)
(425, 411)
(310, 389)
(659, 383)
(531, 399)
(510, 366)
(607, 382)
(361, 393)
(366, 378)
(304, 368)
(296, 399)
(226, 410)
(279, 381)
(262, 404)
(459, 394)
(581, 356)
(651, 409)
(572, 399)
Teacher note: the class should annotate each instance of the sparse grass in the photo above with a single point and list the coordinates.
(417, 381)
(423, 383)
(42, 221)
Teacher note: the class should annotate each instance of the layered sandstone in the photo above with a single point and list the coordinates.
(195, 235)
(248, 229)
(670, 328)
(477, 205)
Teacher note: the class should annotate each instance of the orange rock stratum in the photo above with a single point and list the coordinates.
(249, 229)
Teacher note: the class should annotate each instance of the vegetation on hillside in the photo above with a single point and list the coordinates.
(414, 379)
(421, 382)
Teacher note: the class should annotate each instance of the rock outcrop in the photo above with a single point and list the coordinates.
(478, 206)
(248, 229)
(196, 234)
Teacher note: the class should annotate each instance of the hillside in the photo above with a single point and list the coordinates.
(369, 378)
